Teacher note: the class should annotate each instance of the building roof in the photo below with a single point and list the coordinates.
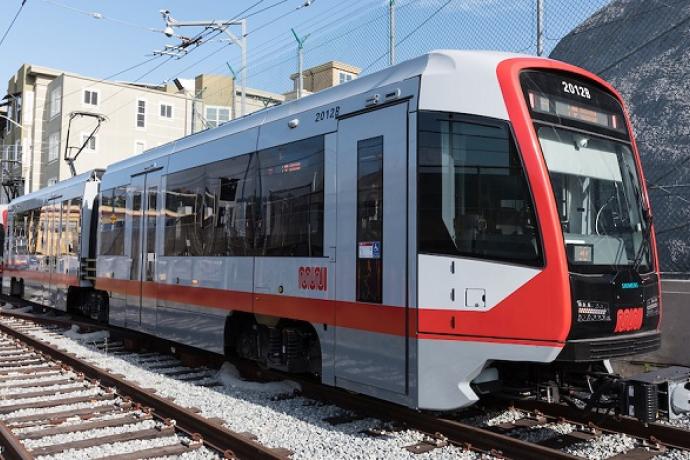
(330, 65)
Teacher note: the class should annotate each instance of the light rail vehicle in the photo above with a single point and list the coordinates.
(460, 224)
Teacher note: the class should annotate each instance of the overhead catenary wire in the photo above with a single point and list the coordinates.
(100, 16)
(218, 50)
(14, 19)
(348, 31)
(195, 63)
(318, 19)
(270, 54)
(239, 15)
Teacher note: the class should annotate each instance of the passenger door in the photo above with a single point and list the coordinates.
(371, 312)
(143, 210)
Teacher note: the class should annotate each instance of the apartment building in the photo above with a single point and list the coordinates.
(222, 99)
(49, 113)
(54, 112)
(323, 76)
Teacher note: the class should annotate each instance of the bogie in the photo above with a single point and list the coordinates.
(289, 346)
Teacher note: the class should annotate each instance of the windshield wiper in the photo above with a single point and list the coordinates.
(646, 237)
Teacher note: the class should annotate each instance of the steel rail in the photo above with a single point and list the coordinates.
(668, 435)
(457, 432)
(12, 447)
(213, 434)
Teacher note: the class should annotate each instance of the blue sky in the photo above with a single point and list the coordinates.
(61, 34)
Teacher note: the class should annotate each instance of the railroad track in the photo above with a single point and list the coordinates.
(52, 403)
(536, 430)
(539, 430)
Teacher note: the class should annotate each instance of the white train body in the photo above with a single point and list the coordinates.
(303, 222)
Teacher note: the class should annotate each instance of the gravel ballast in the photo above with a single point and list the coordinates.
(293, 423)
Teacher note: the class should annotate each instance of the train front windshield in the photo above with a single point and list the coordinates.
(587, 149)
(598, 197)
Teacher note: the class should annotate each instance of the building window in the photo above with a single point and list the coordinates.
(55, 101)
(90, 97)
(90, 142)
(52, 181)
(14, 112)
(141, 113)
(216, 116)
(139, 147)
(345, 77)
(13, 153)
(53, 146)
(8, 124)
(166, 111)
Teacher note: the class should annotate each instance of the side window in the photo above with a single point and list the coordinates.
(34, 234)
(45, 235)
(183, 202)
(112, 222)
(71, 226)
(370, 220)
(229, 227)
(291, 178)
(151, 216)
(57, 226)
(21, 232)
(211, 210)
(136, 209)
(268, 203)
(473, 193)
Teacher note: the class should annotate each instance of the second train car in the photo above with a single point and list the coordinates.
(423, 234)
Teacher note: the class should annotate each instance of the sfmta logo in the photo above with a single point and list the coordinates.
(313, 278)
(629, 319)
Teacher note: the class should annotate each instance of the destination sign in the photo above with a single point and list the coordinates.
(570, 99)
(562, 108)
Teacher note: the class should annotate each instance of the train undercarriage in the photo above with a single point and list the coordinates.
(662, 393)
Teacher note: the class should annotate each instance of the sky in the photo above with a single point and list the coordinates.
(122, 34)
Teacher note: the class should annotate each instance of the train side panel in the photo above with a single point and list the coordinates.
(48, 240)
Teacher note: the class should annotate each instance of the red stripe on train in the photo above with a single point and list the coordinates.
(384, 319)
(44, 277)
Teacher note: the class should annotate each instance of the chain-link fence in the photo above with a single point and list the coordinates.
(357, 33)
(636, 45)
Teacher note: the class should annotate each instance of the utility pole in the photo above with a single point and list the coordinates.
(221, 26)
(391, 32)
(300, 61)
(234, 80)
(540, 27)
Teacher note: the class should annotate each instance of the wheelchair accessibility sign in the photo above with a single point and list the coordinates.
(369, 250)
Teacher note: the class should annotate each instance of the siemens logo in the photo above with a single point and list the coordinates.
(631, 285)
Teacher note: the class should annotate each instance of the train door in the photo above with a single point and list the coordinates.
(371, 312)
(53, 250)
(142, 205)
